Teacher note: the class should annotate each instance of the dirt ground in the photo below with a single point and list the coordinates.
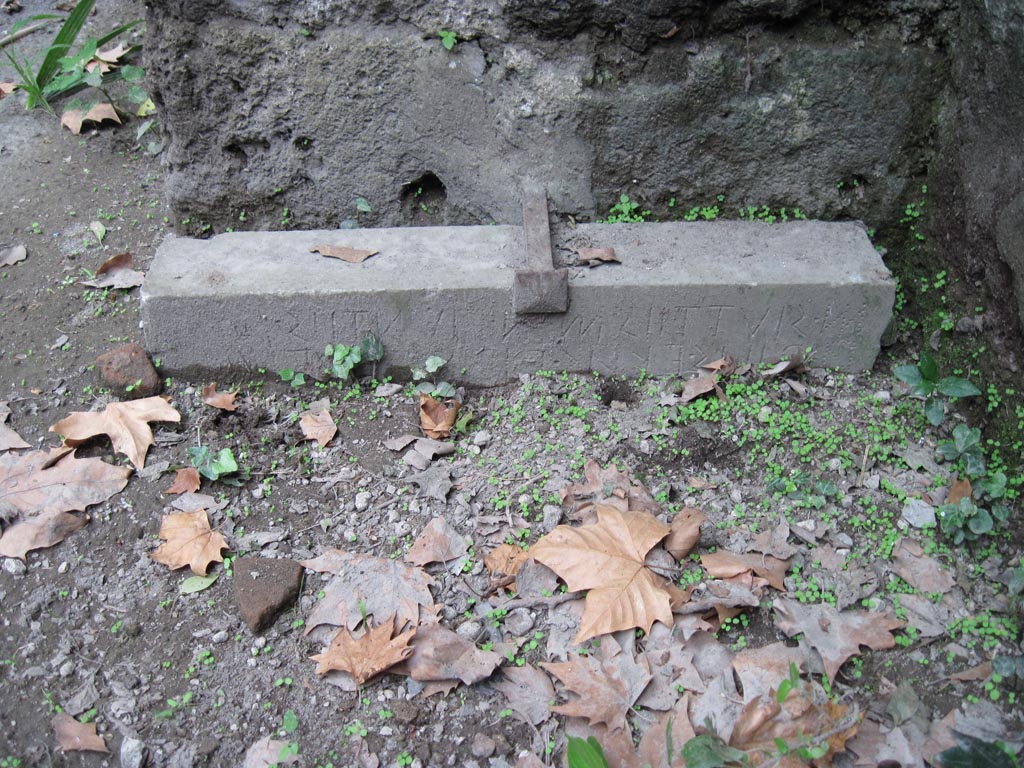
(94, 627)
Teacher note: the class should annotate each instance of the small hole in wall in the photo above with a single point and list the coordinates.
(423, 200)
(303, 143)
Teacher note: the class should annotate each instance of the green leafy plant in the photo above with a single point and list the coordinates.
(585, 754)
(972, 752)
(966, 447)
(625, 211)
(343, 359)
(62, 72)
(448, 38)
(372, 349)
(434, 388)
(925, 382)
(216, 466)
(709, 751)
(966, 521)
(297, 378)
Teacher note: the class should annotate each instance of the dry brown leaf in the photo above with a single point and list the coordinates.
(794, 363)
(439, 543)
(723, 565)
(607, 559)
(528, 691)
(343, 252)
(807, 712)
(606, 684)
(319, 426)
(266, 753)
(190, 541)
(609, 486)
(225, 401)
(440, 655)
(185, 481)
(775, 542)
(44, 482)
(116, 272)
(505, 560)
(375, 651)
(836, 636)
(73, 736)
(981, 672)
(920, 571)
(684, 532)
(694, 388)
(724, 366)
(126, 424)
(8, 437)
(762, 669)
(73, 118)
(592, 257)
(379, 586)
(11, 256)
(960, 489)
(437, 418)
(38, 532)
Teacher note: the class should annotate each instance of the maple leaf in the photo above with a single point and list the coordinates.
(528, 691)
(836, 636)
(11, 256)
(186, 480)
(8, 437)
(375, 651)
(923, 573)
(343, 252)
(592, 257)
(684, 532)
(190, 541)
(439, 543)
(73, 118)
(225, 401)
(437, 418)
(319, 426)
(723, 565)
(503, 564)
(701, 385)
(38, 488)
(126, 424)
(376, 586)
(606, 684)
(609, 486)
(440, 655)
(607, 558)
(116, 272)
(74, 736)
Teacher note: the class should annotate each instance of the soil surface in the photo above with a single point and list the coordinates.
(841, 468)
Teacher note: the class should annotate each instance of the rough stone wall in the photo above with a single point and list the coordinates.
(838, 106)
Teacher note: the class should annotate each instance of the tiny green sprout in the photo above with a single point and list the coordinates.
(448, 38)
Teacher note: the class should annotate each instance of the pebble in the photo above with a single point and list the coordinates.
(519, 622)
(552, 516)
(882, 396)
(363, 500)
(735, 495)
(14, 566)
(133, 753)
(219, 637)
(482, 438)
(872, 482)
(483, 745)
(469, 630)
(919, 513)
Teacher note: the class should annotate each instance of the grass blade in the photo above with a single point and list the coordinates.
(64, 39)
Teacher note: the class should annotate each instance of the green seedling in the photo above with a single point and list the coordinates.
(372, 349)
(966, 447)
(432, 365)
(343, 359)
(297, 378)
(448, 38)
(215, 466)
(624, 212)
(585, 754)
(363, 205)
(925, 382)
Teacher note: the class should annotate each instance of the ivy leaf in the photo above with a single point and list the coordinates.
(585, 754)
(972, 752)
(708, 751)
(934, 411)
(954, 386)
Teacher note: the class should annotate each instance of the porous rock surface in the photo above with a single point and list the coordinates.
(282, 114)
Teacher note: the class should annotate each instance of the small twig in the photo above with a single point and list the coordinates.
(533, 602)
(863, 466)
(24, 32)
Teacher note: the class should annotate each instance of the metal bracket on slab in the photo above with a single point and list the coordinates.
(539, 288)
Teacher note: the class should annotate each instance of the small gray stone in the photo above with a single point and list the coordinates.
(469, 630)
(264, 588)
(919, 513)
(133, 753)
(482, 438)
(483, 745)
(363, 501)
(519, 622)
(14, 566)
(882, 396)
(552, 516)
